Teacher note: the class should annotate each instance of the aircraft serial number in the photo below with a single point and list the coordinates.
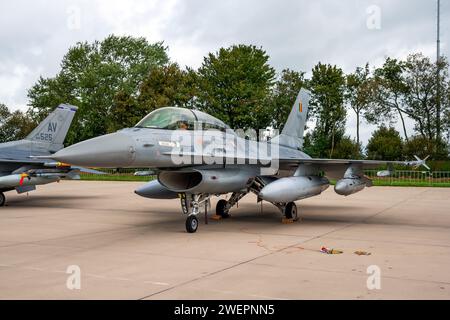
(44, 136)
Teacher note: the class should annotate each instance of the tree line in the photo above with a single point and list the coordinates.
(117, 81)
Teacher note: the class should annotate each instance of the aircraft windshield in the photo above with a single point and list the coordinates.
(169, 118)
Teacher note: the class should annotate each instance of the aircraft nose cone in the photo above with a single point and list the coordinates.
(111, 150)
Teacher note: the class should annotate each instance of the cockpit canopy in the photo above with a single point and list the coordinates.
(171, 118)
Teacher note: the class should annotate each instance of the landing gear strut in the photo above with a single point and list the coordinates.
(287, 209)
(2, 199)
(223, 206)
(190, 205)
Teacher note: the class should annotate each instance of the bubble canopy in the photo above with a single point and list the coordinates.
(172, 118)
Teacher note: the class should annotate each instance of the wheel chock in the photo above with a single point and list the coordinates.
(287, 221)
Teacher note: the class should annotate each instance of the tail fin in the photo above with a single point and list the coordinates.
(51, 132)
(292, 134)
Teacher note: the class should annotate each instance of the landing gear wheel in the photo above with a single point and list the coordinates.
(191, 224)
(2, 199)
(290, 211)
(221, 208)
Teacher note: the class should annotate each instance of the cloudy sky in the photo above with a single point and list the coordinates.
(34, 35)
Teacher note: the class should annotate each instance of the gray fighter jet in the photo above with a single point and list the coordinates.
(197, 156)
(20, 172)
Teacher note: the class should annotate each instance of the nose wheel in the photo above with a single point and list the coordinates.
(191, 224)
(2, 199)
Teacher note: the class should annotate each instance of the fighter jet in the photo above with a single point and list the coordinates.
(20, 172)
(196, 156)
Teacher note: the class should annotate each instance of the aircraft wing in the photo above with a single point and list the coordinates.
(366, 164)
(332, 167)
(328, 163)
(87, 170)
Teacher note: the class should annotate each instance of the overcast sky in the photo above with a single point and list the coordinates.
(34, 35)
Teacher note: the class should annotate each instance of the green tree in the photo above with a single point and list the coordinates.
(358, 93)
(14, 125)
(283, 95)
(164, 86)
(327, 86)
(410, 88)
(422, 147)
(233, 85)
(421, 95)
(91, 76)
(385, 144)
(389, 89)
(316, 144)
(347, 148)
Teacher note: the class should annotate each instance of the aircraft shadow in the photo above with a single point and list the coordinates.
(46, 201)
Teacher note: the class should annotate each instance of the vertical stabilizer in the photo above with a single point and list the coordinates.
(51, 132)
(292, 134)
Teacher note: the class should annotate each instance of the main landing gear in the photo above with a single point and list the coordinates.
(193, 204)
(290, 211)
(287, 209)
(2, 199)
(223, 206)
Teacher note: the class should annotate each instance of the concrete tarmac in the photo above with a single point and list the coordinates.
(128, 247)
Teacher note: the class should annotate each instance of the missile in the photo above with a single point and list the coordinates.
(384, 173)
(56, 164)
(348, 186)
(293, 188)
(23, 179)
(144, 173)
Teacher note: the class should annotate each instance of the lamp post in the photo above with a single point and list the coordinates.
(438, 86)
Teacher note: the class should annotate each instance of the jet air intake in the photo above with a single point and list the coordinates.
(294, 188)
(212, 181)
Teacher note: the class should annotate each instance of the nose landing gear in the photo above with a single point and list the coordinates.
(191, 206)
(191, 224)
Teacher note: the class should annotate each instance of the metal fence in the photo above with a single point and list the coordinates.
(405, 177)
(398, 177)
(120, 174)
